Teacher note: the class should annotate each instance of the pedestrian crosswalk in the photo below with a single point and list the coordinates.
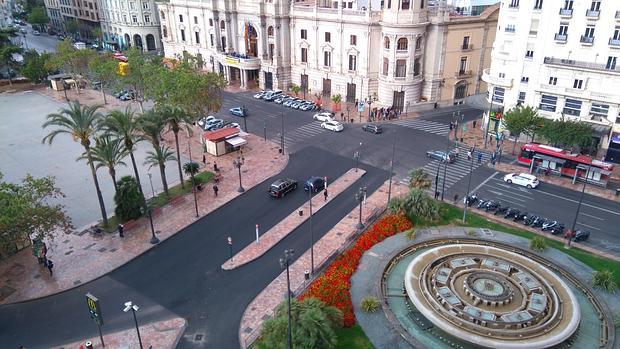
(299, 134)
(453, 172)
(425, 125)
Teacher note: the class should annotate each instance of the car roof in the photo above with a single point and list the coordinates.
(526, 175)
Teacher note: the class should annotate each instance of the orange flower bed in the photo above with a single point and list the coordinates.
(333, 287)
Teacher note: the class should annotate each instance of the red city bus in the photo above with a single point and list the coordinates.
(562, 162)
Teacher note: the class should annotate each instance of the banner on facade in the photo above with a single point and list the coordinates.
(232, 61)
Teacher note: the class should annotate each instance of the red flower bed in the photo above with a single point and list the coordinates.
(333, 287)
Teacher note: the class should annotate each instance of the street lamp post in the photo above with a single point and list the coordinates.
(356, 156)
(360, 196)
(151, 181)
(583, 189)
(284, 263)
(437, 179)
(391, 167)
(443, 183)
(154, 239)
(471, 169)
(134, 308)
(230, 248)
(237, 163)
(282, 130)
(311, 230)
(486, 134)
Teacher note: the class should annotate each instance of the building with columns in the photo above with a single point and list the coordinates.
(560, 57)
(131, 23)
(391, 53)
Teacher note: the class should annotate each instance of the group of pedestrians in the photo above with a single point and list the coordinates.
(389, 113)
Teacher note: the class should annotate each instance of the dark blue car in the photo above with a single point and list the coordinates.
(315, 183)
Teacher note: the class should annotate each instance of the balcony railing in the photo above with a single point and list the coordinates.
(463, 73)
(617, 14)
(495, 80)
(566, 12)
(510, 29)
(580, 64)
(593, 13)
(614, 42)
(587, 39)
(561, 37)
(467, 47)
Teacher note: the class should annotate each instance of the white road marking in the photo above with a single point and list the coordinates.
(484, 182)
(510, 192)
(591, 216)
(503, 194)
(583, 203)
(589, 226)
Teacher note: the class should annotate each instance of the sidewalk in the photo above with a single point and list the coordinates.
(91, 97)
(333, 242)
(80, 257)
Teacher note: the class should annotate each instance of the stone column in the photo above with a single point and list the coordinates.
(243, 78)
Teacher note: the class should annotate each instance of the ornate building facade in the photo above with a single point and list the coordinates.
(131, 23)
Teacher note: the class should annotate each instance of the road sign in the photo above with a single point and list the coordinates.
(94, 309)
(360, 107)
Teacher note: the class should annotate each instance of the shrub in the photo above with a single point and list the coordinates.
(604, 280)
(538, 243)
(128, 199)
(369, 304)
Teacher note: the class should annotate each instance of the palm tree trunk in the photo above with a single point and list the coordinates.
(135, 170)
(176, 140)
(104, 215)
(162, 172)
(113, 175)
(105, 101)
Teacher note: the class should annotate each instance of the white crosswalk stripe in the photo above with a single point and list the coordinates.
(425, 125)
(299, 134)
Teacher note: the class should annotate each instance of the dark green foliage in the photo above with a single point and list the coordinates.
(36, 66)
(128, 199)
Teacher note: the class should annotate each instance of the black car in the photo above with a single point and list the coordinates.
(376, 129)
(314, 182)
(280, 187)
(581, 235)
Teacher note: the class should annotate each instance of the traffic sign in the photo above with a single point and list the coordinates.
(360, 107)
(94, 309)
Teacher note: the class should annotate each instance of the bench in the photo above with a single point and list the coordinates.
(177, 200)
(130, 224)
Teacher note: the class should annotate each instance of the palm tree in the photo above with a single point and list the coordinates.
(125, 127)
(108, 152)
(191, 169)
(159, 157)
(418, 179)
(81, 122)
(151, 124)
(176, 118)
(416, 205)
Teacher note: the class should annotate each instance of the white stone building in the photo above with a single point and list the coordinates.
(357, 49)
(131, 23)
(561, 57)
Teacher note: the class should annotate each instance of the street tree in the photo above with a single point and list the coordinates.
(151, 124)
(314, 325)
(108, 152)
(158, 157)
(296, 89)
(141, 76)
(124, 125)
(36, 67)
(128, 199)
(417, 205)
(26, 212)
(336, 99)
(81, 123)
(72, 61)
(191, 169)
(567, 133)
(103, 69)
(72, 26)
(520, 120)
(177, 118)
(8, 58)
(38, 17)
(418, 179)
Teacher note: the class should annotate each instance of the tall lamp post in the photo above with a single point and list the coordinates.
(134, 308)
(445, 168)
(356, 156)
(471, 168)
(237, 163)
(311, 189)
(282, 130)
(284, 263)
(583, 189)
(391, 167)
(360, 196)
(151, 181)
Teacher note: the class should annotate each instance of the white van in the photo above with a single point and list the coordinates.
(271, 95)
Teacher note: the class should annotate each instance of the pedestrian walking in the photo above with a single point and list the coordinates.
(479, 157)
(469, 155)
(357, 103)
(325, 194)
(435, 105)
(436, 194)
(215, 189)
(456, 198)
(50, 266)
(456, 152)
(215, 166)
(474, 123)
(204, 159)
(121, 230)
(493, 158)
(342, 116)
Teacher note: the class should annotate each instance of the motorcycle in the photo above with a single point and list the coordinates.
(558, 229)
(481, 204)
(529, 220)
(501, 210)
(491, 206)
(520, 217)
(511, 213)
(549, 225)
(471, 199)
(538, 222)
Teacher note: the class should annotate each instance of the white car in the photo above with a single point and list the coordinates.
(524, 179)
(203, 121)
(233, 125)
(323, 116)
(332, 126)
(260, 95)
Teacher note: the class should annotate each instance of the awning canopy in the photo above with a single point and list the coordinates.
(549, 158)
(600, 130)
(236, 141)
(593, 169)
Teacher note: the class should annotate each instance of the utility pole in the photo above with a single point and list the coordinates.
(391, 167)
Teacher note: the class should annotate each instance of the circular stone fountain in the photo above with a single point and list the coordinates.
(491, 297)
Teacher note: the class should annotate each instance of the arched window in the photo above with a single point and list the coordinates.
(165, 31)
(162, 15)
(222, 25)
(401, 44)
(270, 31)
(386, 42)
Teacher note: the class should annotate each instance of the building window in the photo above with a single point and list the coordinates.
(270, 31)
(304, 55)
(568, 4)
(521, 98)
(572, 107)
(223, 43)
(328, 37)
(134, 19)
(182, 35)
(418, 43)
(548, 103)
(401, 44)
(353, 40)
(578, 83)
(165, 31)
(462, 65)
(510, 28)
(501, 75)
(210, 22)
(327, 59)
(538, 4)
(416, 67)
(465, 45)
(147, 19)
(212, 39)
(401, 68)
(352, 62)
(197, 37)
(611, 63)
(405, 5)
(525, 79)
(132, 6)
(529, 54)
(271, 49)
(195, 19)
(386, 65)
(553, 80)
(498, 94)
(514, 4)
(304, 34)
(599, 110)
(222, 25)
(181, 18)
(145, 5)
(460, 91)
(162, 15)
(386, 42)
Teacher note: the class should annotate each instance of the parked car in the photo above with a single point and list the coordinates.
(215, 125)
(524, 179)
(271, 95)
(120, 93)
(260, 95)
(239, 111)
(581, 235)
(288, 102)
(441, 155)
(332, 126)
(280, 187)
(127, 96)
(307, 106)
(376, 129)
(36, 33)
(324, 116)
(281, 99)
(297, 104)
(232, 125)
(314, 182)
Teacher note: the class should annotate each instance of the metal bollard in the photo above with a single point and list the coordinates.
(88, 345)
(307, 275)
